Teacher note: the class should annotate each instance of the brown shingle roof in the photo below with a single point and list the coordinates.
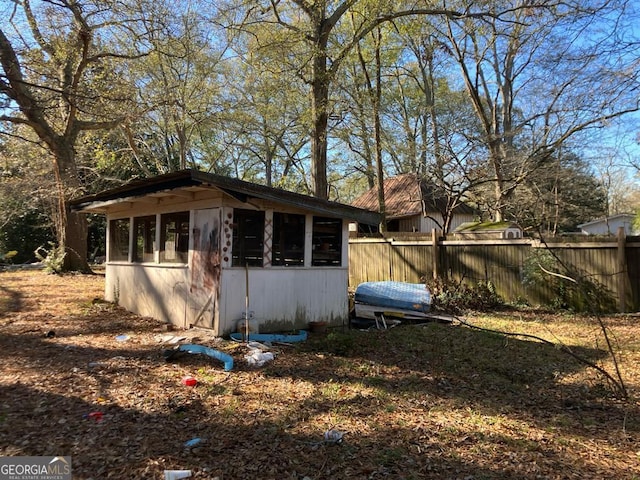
(404, 196)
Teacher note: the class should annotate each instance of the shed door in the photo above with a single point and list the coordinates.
(205, 268)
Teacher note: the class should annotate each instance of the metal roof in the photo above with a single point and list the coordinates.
(233, 187)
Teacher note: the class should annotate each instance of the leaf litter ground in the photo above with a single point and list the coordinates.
(414, 402)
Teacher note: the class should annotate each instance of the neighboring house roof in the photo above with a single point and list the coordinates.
(606, 220)
(192, 180)
(407, 195)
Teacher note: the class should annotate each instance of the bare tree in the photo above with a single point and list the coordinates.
(319, 48)
(179, 91)
(60, 78)
(537, 77)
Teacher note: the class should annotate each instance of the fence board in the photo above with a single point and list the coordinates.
(499, 261)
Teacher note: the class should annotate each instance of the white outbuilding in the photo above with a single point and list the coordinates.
(197, 249)
(610, 225)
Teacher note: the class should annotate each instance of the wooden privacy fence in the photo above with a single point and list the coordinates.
(611, 263)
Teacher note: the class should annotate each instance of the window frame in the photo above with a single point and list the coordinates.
(326, 241)
(180, 253)
(284, 231)
(247, 247)
(123, 240)
(148, 235)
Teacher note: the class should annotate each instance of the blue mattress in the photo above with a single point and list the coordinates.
(406, 296)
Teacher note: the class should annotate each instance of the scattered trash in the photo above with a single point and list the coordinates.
(211, 352)
(258, 345)
(189, 381)
(95, 364)
(122, 338)
(333, 437)
(96, 416)
(176, 474)
(170, 339)
(258, 358)
(379, 323)
(195, 444)
(252, 326)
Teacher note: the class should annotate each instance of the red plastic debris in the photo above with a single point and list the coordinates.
(97, 416)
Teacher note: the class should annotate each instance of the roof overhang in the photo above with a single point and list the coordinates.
(190, 183)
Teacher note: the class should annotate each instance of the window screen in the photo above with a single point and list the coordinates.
(327, 242)
(288, 239)
(145, 231)
(248, 238)
(174, 241)
(119, 240)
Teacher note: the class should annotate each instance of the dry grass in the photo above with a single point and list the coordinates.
(435, 401)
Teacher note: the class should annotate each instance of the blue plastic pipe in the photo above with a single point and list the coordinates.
(271, 337)
(211, 352)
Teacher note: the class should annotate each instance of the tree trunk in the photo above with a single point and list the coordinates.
(377, 95)
(497, 162)
(76, 243)
(71, 231)
(320, 115)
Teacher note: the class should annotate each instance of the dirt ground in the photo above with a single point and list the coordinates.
(85, 378)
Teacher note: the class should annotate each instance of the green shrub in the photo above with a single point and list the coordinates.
(52, 259)
(453, 297)
(4, 257)
(566, 288)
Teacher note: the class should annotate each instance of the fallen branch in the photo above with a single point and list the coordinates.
(617, 384)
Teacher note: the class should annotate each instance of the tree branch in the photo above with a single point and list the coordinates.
(617, 383)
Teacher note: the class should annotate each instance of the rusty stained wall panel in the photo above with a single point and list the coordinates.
(204, 288)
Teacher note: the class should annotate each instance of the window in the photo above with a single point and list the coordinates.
(145, 234)
(327, 242)
(248, 238)
(174, 240)
(288, 239)
(119, 240)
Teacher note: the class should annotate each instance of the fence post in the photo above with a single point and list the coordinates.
(435, 253)
(622, 271)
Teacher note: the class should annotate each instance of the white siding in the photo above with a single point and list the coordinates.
(610, 227)
(284, 297)
(157, 291)
(428, 224)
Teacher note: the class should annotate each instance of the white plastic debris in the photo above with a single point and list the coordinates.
(170, 339)
(176, 474)
(258, 346)
(333, 437)
(258, 358)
